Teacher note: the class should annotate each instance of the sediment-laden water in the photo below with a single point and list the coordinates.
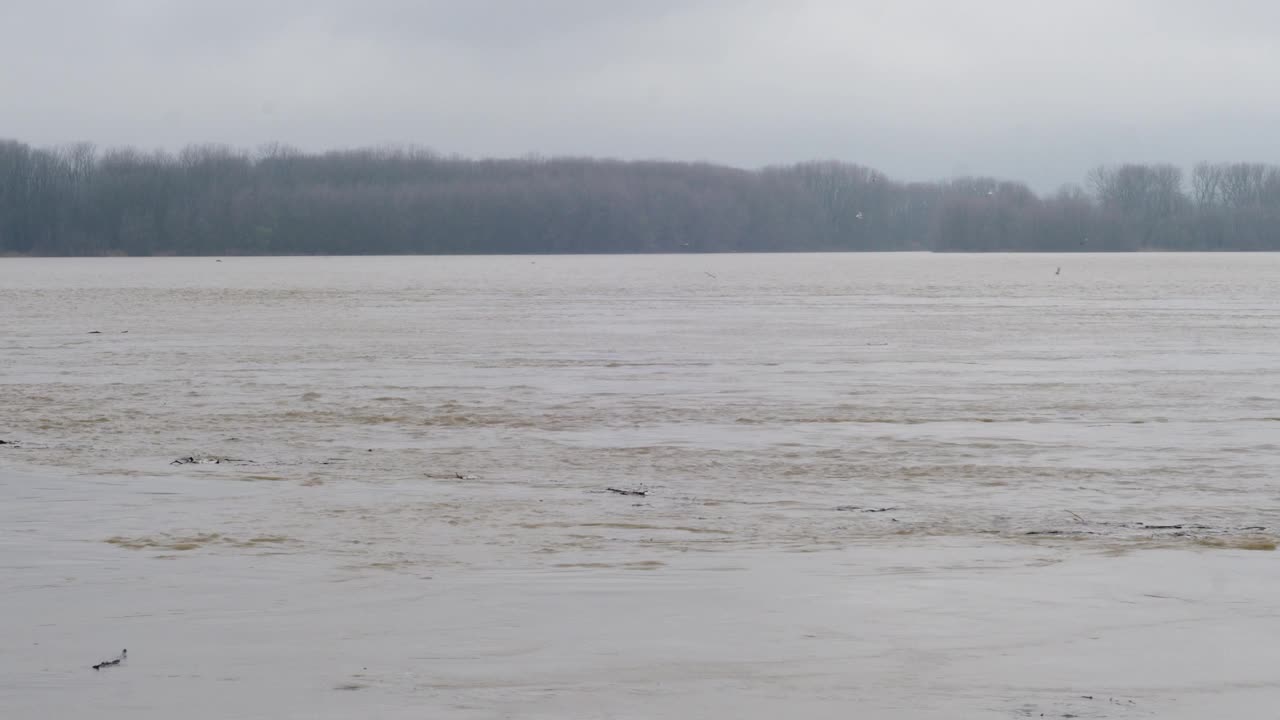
(314, 440)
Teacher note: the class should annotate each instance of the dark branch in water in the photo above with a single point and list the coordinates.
(109, 663)
(640, 493)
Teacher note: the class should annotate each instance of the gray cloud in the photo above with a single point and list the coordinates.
(920, 89)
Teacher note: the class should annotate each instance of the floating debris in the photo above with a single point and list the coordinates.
(858, 508)
(620, 491)
(1205, 534)
(205, 460)
(110, 663)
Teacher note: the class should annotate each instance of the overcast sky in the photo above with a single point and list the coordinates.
(921, 89)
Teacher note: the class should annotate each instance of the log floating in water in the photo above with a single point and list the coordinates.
(109, 663)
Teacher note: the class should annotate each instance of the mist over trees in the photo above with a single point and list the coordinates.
(213, 199)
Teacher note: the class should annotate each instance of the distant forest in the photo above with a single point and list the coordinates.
(216, 200)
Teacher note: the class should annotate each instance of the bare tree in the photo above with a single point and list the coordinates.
(1206, 184)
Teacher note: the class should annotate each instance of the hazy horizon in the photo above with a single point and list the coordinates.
(919, 90)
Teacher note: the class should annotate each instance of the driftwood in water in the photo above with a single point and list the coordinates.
(205, 460)
(638, 493)
(109, 663)
(1167, 530)
(859, 508)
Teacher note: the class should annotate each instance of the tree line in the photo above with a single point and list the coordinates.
(214, 199)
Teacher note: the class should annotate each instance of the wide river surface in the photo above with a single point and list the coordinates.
(859, 485)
